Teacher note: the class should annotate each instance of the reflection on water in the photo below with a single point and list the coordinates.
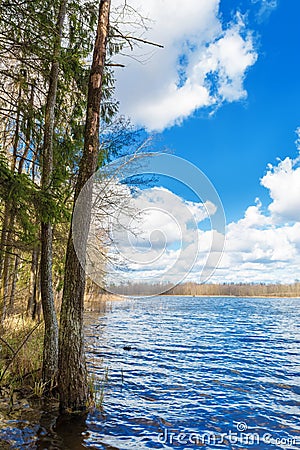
(35, 428)
(179, 368)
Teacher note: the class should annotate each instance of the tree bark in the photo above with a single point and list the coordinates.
(50, 352)
(4, 234)
(73, 388)
(33, 289)
(5, 287)
(14, 283)
(6, 274)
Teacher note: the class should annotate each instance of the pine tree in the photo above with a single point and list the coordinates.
(73, 387)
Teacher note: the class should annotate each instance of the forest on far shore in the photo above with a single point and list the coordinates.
(213, 289)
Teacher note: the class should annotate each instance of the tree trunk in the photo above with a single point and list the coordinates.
(50, 353)
(73, 387)
(17, 130)
(5, 287)
(29, 126)
(6, 275)
(50, 350)
(4, 233)
(14, 283)
(33, 289)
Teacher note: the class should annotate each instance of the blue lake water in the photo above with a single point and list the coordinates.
(201, 372)
(184, 373)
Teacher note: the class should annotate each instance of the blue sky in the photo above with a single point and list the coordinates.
(235, 145)
(224, 94)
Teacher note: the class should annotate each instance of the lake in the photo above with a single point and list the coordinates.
(180, 373)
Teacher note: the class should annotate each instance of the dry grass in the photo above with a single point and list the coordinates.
(21, 350)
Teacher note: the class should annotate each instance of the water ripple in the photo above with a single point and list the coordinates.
(197, 365)
(181, 373)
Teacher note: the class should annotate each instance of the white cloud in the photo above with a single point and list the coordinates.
(265, 246)
(283, 182)
(165, 240)
(265, 8)
(203, 63)
(172, 240)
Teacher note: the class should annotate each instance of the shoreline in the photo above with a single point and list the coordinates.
(112, 298)
(230, 296)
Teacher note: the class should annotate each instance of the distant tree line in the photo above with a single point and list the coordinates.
(212, 289)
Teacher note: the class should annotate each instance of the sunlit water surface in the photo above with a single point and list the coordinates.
(184, 372)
